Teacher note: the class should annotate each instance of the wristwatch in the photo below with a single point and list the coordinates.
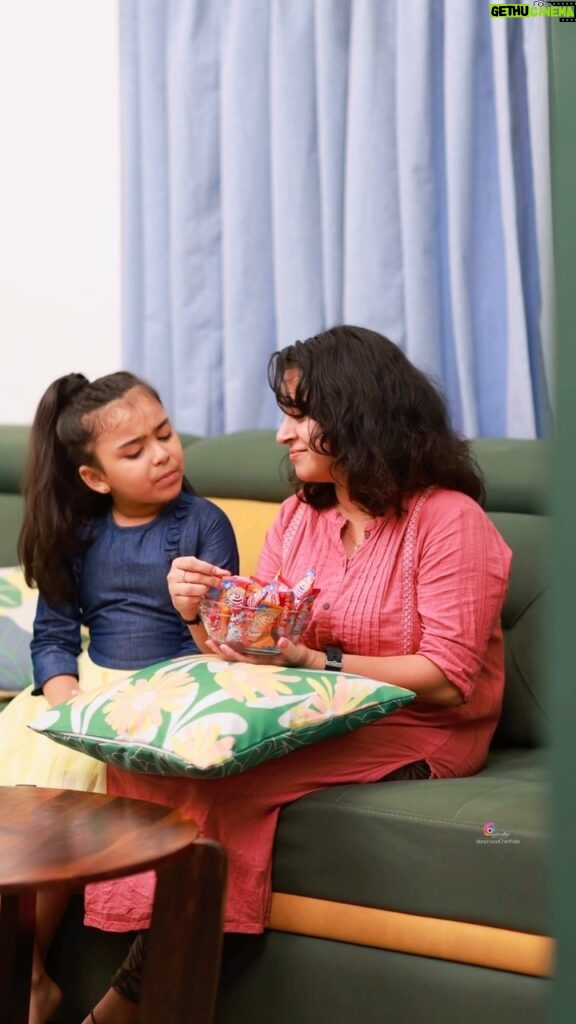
(333, 659)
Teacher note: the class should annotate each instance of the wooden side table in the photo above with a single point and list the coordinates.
(48, 836)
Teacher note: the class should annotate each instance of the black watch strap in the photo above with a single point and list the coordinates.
(333, 659)
(192, 622)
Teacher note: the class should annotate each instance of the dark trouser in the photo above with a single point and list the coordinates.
(416, 770)
(127, 980)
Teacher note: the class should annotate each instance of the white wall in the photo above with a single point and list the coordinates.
(59, 196)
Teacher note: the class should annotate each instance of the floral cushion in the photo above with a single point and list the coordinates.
(203, 717)
(17, 611)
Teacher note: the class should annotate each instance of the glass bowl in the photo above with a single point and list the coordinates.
(252, 630)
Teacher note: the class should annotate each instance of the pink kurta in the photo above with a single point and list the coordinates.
(432, 582)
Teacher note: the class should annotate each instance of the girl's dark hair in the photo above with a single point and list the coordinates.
(382, 420)
(58, 506)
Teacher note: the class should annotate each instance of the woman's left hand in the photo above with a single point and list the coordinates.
(294, 655)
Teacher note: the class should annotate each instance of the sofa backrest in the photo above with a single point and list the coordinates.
(13, 447)
(245, 464)
(518, 501)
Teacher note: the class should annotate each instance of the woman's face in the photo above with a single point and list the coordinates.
(139, 458)
(297, 431)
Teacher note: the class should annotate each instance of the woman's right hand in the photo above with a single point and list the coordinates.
(189, 580)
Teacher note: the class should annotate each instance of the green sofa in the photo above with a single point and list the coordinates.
(404, 901)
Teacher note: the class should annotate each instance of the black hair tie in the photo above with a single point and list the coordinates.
(70, 386)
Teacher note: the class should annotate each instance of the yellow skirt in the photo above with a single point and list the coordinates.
(30, 759)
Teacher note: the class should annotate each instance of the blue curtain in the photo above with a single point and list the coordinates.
(293, 164)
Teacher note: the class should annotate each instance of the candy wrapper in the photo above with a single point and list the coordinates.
(251, 615)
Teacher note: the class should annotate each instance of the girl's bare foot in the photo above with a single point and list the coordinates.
(45, 997)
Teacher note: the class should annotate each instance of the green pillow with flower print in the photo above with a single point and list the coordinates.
(17, 611)
(201, 717)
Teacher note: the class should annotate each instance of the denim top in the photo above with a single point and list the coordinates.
(122, 595)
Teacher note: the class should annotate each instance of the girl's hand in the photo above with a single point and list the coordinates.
(189, 580)
(60, 688)
(291, 655)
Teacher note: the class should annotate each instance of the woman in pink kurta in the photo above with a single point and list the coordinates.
(412, 577)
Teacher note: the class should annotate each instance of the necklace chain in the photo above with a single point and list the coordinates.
(357, 543)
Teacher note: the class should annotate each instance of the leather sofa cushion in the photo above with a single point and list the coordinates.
(526, 619)
(517, 474)
(13, 448)
(10, 523)
(247, 463)
(420, 847)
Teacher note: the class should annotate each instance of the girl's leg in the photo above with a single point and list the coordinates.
(45, 994)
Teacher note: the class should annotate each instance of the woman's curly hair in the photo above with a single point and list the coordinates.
(383, 421)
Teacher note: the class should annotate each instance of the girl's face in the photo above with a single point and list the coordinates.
(297, 431)
(139, 458)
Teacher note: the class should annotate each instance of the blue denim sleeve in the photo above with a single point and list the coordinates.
(56, 644)
(215, 541)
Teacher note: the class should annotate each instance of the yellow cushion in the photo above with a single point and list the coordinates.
(250, 520)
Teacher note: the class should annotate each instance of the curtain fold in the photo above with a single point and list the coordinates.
(292, 165)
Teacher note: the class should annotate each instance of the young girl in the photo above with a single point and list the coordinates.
(413, 576)
(107, 509)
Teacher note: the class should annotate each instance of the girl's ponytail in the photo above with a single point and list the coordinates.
(56, 502)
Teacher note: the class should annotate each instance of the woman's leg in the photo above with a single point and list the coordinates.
(119, 1004)
(113, 1008)
(240, 812)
